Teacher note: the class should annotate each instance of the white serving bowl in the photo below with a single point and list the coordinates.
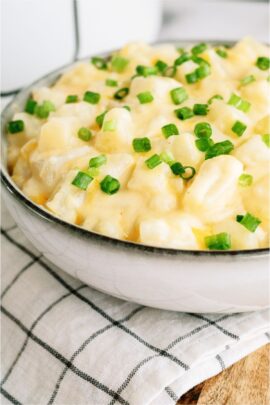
(190, 281)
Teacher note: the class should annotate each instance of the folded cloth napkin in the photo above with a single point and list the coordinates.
(65, 343)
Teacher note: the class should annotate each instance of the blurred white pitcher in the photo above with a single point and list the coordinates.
(38, 36)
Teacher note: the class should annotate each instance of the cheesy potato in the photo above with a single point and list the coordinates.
(155, 145)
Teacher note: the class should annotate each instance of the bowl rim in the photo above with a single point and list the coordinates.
(44, 214)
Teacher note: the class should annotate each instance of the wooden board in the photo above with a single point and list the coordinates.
(247, 382)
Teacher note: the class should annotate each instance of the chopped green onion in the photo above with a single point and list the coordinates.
(263, 63)
(186, 176)
(203, 71)
(245, 180)
(169, 130)
(141, 144)
(182, 59)
(127, 107)
(109, 185)
(197, 49)
(239, 128)
(222, 53)
(84, 134)
(15, 126)
(82, 180)
(43, 110)
(266, 139)
(153, 161)
(178, 95)
(203, 144)
(200, 109)
(200, 61)
(111, 83)
(72, 98)
(247, 80)
(145, 97)
(184, 113)
(220, 241)
(30, 106)
(192, 77)
(146, 70)
(97, 161)
(119, 64)
(219, 148)
(244, 106)
(248, 221)
(170, 71)
(93, 172)
(110, 125)
(215, 97)
(167, 158)
(161, 66)
(177, 168)
(180, 50)
(121, 93)
(238, 103)
(99, 63)
(100, 118)
(203, 130)
(91, 97)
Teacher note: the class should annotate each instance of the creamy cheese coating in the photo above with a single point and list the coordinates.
(153, 206)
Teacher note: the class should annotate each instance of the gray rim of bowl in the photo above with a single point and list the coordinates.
(42, 213)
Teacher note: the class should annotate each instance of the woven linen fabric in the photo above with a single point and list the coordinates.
(65, 343)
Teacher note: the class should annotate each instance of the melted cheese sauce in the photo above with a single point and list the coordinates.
(152, 206)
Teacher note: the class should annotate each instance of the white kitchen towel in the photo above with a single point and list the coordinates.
(65, 343)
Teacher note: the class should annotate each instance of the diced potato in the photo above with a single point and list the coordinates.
(138, 53)
(224, 116)
(244, 55)
(154, 232)
(241, 237)
(213, 194)
(157, 186)
(174, 232)
(56, 96)
(159, 87)
(83, 111)
(51, 168)
(218, 64)
(22, 169)
(263, 125)
(257, 93)
(34, 189)
(184, 150)
(119, 137)
(118, 165)
(78, 79)
(256, 199)
(255, 156)
(115, 215)
(207, 88)
(59, 134)
(32, 124)
(166, 53)
(67, 199)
